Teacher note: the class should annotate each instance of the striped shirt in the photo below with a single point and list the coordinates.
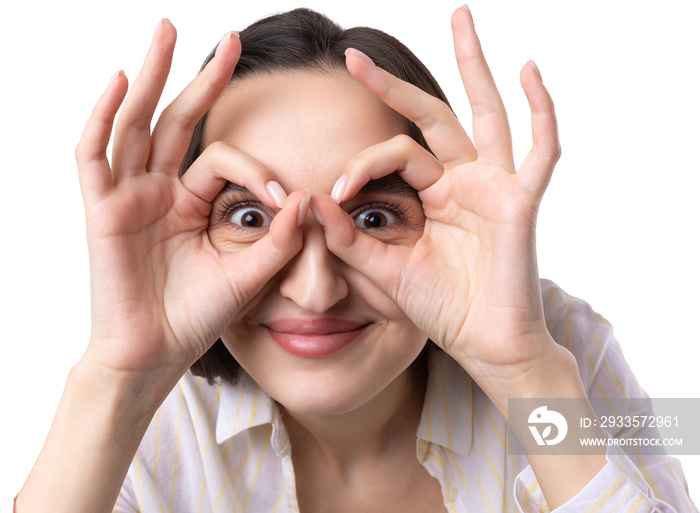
(224, 447)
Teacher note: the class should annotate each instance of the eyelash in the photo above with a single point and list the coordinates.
(395, 207)
(230, 205)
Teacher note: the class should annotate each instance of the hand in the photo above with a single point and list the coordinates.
(161, 293)
(471, 281)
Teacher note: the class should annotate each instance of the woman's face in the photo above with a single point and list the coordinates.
(320, 338)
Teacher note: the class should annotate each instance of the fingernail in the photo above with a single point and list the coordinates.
(537, 70)
(276, 192)
(469, 12)
(359, 54)
(114, 77)
(339, 188)
(226, 37)
(160, 24)
(303, 208)
(317, 214)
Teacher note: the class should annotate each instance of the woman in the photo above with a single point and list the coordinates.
(332, 255)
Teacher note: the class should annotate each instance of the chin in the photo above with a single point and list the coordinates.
(328, 392)
(319, 403)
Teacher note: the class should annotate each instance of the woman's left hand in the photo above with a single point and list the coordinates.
(471, 281)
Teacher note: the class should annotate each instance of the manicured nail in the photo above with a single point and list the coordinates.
(276, 192)
(537, 70)
(303, 208)
(359, 54)
(226, 37)
(339, 188)
(317, 214)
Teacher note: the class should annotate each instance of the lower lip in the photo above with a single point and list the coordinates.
(315, 346)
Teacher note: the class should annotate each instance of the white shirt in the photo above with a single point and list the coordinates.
(224, 447)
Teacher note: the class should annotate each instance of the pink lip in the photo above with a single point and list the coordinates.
(313, 338)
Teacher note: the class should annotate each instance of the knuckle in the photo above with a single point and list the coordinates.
(435, 111)
(403, 142)
(138, 123)
(83, 155)
(78, 152)
(217, 149)
(557, 151)
(184, 121)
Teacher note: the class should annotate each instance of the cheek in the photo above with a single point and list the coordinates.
(377, 300)
(402, 339)
(397, 237)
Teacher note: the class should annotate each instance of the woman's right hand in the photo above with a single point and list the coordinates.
(160, 293)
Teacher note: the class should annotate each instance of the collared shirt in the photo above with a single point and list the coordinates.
(224, 447)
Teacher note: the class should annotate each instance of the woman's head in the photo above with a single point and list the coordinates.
(292, 49)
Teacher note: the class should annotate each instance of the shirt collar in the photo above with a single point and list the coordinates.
(445, 420)
(447, 412)
(244, 405)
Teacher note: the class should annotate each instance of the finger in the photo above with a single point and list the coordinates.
(94, 171)
(491, 130)
(441, 129)
(401, 154)
(381, 263)
(538, 166)
(220, 163)
(249, 270)
(132, 138)
(173, 131)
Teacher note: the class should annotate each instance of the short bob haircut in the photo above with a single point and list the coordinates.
(306, 40)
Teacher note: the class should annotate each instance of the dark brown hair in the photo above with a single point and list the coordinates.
(303, 39)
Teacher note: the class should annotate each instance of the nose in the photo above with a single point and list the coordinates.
(313, 279)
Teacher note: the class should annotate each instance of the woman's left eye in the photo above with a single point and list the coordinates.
(374, 218)
(250, 217)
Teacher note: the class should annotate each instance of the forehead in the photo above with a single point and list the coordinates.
(303, 125)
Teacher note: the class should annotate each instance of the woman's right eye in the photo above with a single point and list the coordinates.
(250, 217)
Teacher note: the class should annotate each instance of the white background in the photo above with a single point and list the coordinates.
(618, 227)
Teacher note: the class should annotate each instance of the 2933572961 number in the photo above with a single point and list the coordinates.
(638, 421)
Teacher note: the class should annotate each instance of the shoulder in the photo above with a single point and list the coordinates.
(574, 324)
(571, 321)
(568, 316)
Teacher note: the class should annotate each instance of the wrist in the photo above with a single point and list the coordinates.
(120, 394)
(100, 422)
(551, 373)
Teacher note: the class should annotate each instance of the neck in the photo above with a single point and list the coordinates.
(384, 424)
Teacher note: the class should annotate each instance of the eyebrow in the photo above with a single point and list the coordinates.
(391, 184)
(232, 188)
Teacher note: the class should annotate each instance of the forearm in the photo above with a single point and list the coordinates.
(553, 376)
(562, 476)
(95, 434)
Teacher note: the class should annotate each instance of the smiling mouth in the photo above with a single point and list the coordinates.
(314, 338)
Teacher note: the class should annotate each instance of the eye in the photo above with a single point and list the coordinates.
(374, 218)
(250, 217)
